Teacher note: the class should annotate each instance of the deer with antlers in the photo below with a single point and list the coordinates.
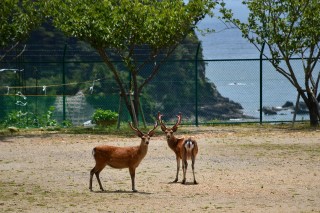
(183, 149)
(121, 157)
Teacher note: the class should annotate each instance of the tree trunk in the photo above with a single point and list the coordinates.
(136, 104)
(136, 100)
(314, 112)
(134, 109)
(123, 91)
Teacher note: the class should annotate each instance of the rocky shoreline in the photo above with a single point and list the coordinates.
(301, 109)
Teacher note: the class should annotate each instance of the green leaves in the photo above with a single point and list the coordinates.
(104, 115)
(118, 24)
(17, 19)
(122, 26)
(290, 26)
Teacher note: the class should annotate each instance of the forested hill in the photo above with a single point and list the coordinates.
(172, 90)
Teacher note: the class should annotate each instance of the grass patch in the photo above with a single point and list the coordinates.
(125, 130)
(29, 195)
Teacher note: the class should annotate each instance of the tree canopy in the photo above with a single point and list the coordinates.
(288, 28)
(124, 26)
(17, 19)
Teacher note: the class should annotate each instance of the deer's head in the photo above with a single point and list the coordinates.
(145, 138)
(169, 131)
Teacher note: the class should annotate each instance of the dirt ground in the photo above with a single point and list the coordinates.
(239, 169)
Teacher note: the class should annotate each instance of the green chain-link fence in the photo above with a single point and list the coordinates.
(76, 82)
(263, 93)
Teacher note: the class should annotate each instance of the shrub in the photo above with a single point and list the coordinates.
(105, 117)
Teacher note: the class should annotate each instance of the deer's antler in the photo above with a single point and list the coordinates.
(175, 127)
(151, 132)
(163, 127)
(138, 132)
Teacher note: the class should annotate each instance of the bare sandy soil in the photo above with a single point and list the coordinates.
(239, 169)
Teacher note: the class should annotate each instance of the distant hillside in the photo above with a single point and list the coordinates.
(171, 91)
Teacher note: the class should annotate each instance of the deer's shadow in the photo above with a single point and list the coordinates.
(186, 183)
(122, 192)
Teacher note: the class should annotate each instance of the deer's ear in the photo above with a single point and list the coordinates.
(175, 128)
(139, 134)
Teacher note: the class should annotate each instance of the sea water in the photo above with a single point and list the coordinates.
(239, 80)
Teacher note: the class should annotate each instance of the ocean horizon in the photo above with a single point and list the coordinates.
(240, 80)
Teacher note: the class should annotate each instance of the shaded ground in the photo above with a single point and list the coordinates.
(239, 169)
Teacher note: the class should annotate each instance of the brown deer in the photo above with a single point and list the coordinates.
(121, 157)
(184, 149)
(189, 152)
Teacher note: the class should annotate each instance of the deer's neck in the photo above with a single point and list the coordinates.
(142, 151)
(172, 142)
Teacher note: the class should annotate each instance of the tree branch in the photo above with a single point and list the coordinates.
(157, 67)
(9, 50)
(116, 76)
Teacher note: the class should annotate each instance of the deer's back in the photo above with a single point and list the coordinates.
(118, 157)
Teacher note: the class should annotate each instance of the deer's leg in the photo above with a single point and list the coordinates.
(178, 168)
(132, 175)
(184, 168)
(96, 170)
(98, 178)
(192, 165)
(91, 177)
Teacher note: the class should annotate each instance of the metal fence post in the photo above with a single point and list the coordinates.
(196, 84)
(64, 84)
(261, 55)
